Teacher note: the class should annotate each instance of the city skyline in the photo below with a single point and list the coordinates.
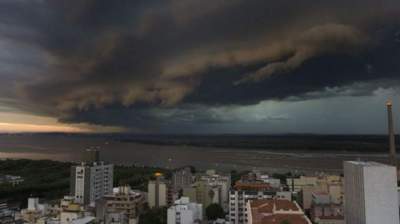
(199, 66)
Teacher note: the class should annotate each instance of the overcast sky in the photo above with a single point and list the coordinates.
(199, 66)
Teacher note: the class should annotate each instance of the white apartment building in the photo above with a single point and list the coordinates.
(184, 212)
(90, 182)
(370, 193)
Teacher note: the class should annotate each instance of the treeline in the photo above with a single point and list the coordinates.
(49, 180)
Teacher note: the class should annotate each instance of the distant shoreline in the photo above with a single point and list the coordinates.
(294, 152)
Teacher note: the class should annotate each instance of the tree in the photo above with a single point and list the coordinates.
(154, 216)
(214, 211)
(285, 222)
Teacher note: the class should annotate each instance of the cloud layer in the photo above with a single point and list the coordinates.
(104, 62)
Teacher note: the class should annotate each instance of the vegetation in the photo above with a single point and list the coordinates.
(214, 211)
(136, 177)
(153, 216)
(49, 180)
(43, 178)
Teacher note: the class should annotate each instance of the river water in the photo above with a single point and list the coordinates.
(70, 148)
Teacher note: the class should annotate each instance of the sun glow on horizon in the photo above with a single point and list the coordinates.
(20, 122)
(20, 127)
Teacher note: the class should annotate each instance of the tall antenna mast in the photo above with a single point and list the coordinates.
(392, 145)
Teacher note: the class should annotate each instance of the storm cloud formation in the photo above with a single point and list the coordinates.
(147, 64)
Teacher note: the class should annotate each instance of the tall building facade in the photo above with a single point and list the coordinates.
(370, 193)
(220, 182)
(90, 182)
(182, 178)
(159, 192)
(201, 192)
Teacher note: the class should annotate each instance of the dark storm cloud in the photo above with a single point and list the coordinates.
(112, 61)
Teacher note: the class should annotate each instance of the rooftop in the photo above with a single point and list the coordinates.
(239, 185)
(367, 163)
(268, 205)
(280, 218)
(276, 211)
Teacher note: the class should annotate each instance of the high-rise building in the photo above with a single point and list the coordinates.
(91, 181)
(209, 188)
(182, 178)
(203, 193)
(91, 155)
(220, 182)
(370, 193)
(184, 212)
(159, 192)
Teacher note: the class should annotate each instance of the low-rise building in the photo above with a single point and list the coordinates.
(320, 198)
(35, 211)
(274, 182)
(220, 221)
(297, 184)
(7, 216)
(306, 185)
(327, 214)
(11, 179)
(284, 195)
(72, 212)
(185, 212)
(324, 210)
(275, 211)
(122, 206)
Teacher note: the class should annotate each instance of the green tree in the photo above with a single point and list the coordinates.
(214, 211)
(154, 216)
